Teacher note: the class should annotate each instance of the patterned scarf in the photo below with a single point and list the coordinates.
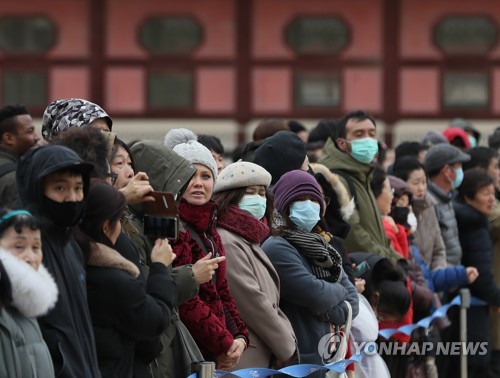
(326, 263)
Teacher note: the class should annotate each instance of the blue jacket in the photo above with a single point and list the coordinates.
(445, 279)
(306, 300)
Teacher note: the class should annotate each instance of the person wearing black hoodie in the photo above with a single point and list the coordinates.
(53, 182)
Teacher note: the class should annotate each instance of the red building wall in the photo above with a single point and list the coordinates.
(243, 68)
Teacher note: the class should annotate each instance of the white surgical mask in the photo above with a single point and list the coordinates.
(305, 214)
(254, 204)
(412, 221)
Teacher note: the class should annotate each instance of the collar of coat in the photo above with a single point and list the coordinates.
(103, 256)
(34, 292)
(346, 204)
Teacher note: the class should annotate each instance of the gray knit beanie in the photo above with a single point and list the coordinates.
(178, 136)
(197, 153)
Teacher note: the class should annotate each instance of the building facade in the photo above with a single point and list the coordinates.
(243, 60)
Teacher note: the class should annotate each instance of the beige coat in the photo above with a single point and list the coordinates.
(428, 236)
(254, 285)
(495, 238)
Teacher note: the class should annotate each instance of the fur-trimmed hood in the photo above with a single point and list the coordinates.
(103, 256)
(346, 204)
(34, 293)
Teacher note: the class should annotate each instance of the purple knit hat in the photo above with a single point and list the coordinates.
(293, 185)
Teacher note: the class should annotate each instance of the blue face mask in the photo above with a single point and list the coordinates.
(305, 214)
(364, 150)
(254, 204)
(459, 176)
(473, 141)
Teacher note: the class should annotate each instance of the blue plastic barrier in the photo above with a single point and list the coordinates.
(296, 371)
(303, 370)
(426, 322)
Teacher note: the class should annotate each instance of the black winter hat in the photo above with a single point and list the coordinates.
(281, 153)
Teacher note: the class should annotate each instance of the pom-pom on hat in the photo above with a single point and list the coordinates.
(178, 136)
(281, 153)
(293, 185)
(240, 175)
(197, 153)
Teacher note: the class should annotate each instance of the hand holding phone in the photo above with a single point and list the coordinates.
(162, 252)
(361, 269)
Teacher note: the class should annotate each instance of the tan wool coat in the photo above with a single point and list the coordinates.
(254, 285)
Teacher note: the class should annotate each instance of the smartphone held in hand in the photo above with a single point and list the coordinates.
(361, 269)
(161, 217)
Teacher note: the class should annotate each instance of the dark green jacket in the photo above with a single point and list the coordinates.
(367, 232)
(167, 172)
(9, 195)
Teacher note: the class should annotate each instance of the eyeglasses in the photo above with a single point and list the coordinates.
(113, 176)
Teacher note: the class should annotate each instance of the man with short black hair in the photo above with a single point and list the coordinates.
(350, 152)
(17, 135)
(53, 182)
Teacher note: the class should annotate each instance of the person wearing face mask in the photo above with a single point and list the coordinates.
(396, 233)
(350, 152)
(240, 193)
(427, 236)
(443, 164)
(473, 135)
(423, 279)
(53, 182)
(426, 240)
(314, 287)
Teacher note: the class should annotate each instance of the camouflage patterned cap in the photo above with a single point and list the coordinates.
(70, 112)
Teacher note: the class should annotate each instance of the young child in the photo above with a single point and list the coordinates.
(28, 291)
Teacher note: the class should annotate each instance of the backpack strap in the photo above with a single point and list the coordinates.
(195, 236)
(7, 168)
(197, 239)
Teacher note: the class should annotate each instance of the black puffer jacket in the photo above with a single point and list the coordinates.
(477, 251)
(67, 329)
(123, 309)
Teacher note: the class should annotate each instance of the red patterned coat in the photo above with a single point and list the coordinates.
(211, 316)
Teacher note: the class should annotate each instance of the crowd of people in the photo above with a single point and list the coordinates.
(305, 234)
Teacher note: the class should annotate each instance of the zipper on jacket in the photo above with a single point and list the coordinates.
(214, 252)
